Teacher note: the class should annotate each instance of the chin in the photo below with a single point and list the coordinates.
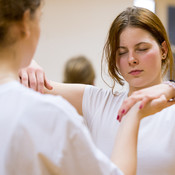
(138, 83)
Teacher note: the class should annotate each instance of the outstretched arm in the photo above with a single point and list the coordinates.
(34, 77)
(71, 92)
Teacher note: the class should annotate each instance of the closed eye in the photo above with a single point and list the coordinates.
(121, 53)
(141, 50)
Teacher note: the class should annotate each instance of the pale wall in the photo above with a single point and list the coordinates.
(162, 10)
(73, 27)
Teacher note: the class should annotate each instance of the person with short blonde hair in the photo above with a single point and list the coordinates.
(79, 70)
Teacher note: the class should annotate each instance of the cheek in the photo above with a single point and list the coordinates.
(121, 65)
(152, 59)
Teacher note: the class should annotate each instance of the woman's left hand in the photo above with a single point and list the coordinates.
(145, 96)
(150, 108)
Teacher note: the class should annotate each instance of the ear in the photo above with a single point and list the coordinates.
(25, 24)
(164, 50)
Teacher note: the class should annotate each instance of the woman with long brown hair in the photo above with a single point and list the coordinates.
(137, 51)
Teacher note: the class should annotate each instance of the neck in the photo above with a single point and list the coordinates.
(9, 66)
(133, 89)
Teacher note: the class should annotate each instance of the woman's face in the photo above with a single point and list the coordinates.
(138, 58)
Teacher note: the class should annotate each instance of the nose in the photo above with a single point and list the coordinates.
(133, 61)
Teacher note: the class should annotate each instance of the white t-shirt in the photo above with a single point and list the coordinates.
(39, 135)
(156, 141)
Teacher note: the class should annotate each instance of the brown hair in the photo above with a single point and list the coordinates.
(12, 11)
(79, 70)
(141, 18)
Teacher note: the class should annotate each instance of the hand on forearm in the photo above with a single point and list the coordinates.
(145, 96)
(34, 77)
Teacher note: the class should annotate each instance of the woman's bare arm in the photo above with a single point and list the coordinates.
(71, 92)
(124, 154)
(34, 77)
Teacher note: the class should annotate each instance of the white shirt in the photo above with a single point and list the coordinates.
(156, 141)
(39, 135)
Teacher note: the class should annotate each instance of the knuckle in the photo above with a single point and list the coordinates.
(135, 93)
(39, 70)
(24, 78)
(146, 97)
(133, 98)
(41, 83)
(32, 83)
(125, 101)
(30, 70)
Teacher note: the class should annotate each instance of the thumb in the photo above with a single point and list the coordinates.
(47, 84)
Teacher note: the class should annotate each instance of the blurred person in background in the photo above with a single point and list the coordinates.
(79, 70)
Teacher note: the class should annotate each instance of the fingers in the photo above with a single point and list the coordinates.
(145, 101)
(42, 82)
(163, 103)
(23, 77)
(32, 80)
(158, 104)
(127, 104)
(34, 77)
(152, 107)
(133, 99)
(47, 84)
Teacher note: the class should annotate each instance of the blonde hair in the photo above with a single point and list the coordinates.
(79, 70)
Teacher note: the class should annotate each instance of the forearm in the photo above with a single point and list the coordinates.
(124, 154)
(71, 92)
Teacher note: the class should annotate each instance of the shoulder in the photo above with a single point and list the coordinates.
(96, 100)
(93, 91)
(43, 103)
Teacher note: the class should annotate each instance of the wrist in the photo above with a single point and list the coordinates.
(171, 84)
(134, 113)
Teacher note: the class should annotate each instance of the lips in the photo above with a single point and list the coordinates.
(135, 72)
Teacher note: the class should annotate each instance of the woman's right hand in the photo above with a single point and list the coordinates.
(34, 77)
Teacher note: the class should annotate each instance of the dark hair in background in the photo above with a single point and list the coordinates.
(141, 18)
(79, 70)
(12, 11)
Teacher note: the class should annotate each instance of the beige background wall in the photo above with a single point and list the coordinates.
(74, 27)
(162, 9)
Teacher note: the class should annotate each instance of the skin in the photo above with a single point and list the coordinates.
(12, 57)
(24, 49)
(34, 34)
(141, 51)
(139, 58)
(131, 59)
